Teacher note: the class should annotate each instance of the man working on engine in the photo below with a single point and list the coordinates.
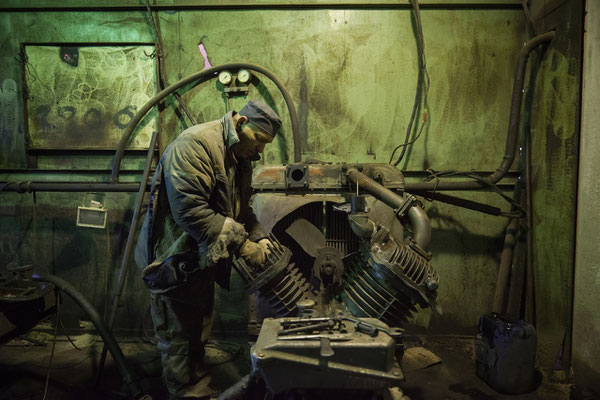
(198, 219)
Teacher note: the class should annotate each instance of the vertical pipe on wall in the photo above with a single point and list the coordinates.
(500, 294)
(513, 127)
(129, 246)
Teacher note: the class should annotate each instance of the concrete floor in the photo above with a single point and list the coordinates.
(24, 366)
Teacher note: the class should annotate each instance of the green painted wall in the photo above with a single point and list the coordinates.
(555, 121)
(352, 73)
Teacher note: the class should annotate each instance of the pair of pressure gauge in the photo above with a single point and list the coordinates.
(243, 76)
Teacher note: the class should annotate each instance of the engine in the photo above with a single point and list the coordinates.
(343, 277)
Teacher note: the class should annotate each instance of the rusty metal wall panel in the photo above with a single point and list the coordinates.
(83, 97)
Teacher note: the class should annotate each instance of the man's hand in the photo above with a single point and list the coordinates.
(253, 253)
(265, 243)
(231, 237)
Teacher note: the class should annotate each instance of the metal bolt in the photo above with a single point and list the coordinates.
(432, 283)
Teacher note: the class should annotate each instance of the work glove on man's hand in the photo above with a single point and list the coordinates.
(253, 253)
(265, 244)
(231, 237)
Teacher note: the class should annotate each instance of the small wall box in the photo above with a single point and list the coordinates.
(91, 217)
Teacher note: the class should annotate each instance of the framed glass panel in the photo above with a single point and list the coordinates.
(83, 96)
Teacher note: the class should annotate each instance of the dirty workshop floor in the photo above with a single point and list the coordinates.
(436, 368)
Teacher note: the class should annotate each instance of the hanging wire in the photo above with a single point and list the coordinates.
(161, 68)
(53, 345)
(106, 269)
(529, 17)
(423, 83)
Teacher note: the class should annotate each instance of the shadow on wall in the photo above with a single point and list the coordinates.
(453, 237)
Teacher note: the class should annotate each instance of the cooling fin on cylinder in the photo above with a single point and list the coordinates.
(280, 282)
(377, 276)
(388, 280)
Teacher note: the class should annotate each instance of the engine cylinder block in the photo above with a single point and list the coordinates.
(390, 281)
(280, 283)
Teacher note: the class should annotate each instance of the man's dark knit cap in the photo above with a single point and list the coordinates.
(262, 116)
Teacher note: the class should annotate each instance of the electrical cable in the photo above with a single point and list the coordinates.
(520, 212)
(423, 75)
(161, 66)
(106, 271)
(120, 361)
(129, 244)
(53, 345)
(529, 17)
(64, 330)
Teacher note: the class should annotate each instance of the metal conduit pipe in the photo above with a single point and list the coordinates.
(129, 245)
(500, 293)
(120, 360)
(28, 187)
(208, 74)
(513, 127)
(420, 221)
(417, 216)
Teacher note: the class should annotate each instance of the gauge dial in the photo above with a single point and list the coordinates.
(243, 75)
(225, 77)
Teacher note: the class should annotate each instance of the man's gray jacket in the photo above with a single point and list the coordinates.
(197, 184)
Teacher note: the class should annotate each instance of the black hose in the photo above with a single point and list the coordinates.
(513, 127)
(239, 390)
(207, 73)
(464, 203)
(120, 360)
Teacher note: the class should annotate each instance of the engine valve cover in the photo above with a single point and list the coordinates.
(326, 353)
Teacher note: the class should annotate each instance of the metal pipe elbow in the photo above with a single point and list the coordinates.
(422, 226)
(416, 215)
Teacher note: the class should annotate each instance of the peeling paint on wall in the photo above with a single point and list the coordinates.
(202, 50)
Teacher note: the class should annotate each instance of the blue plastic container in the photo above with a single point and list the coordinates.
(505, 354)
